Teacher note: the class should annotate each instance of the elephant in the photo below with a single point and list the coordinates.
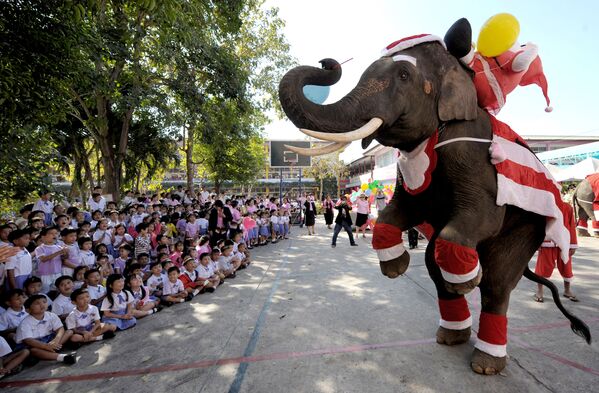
(586, 206)
(419, 99)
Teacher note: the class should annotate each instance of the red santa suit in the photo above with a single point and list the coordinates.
(496, 77)
(549, 254)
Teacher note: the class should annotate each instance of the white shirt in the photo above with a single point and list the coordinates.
(172, 288)
(120, 301)
(205, 272)
(5, 349)
(96, 292)
(45, 206)
(107, 236)
(88, 258)
(224, 263)
(62, 305)
(118, 240)
(156, 281)
(203, 223)
(136, 219)
(274, 220)
(20, 263)
(100, 205)
(31, 327)
(82, 319)
(11, 319)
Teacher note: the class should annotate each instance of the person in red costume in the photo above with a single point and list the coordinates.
(497, 76)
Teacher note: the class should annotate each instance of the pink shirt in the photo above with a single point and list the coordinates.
(363, 206)
(52, 266)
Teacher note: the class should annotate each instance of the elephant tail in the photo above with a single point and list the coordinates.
(577, 325)
(575, 206)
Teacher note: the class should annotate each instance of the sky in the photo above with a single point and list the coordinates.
(567, 34)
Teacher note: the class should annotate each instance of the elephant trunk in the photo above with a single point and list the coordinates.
(340, 117)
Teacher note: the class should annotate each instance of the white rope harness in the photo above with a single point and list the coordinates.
(462, 139)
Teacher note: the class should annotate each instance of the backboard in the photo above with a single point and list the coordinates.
(281, 157)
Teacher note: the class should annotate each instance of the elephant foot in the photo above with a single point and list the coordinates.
(452, 337)
(395, 267)
(582, 232)
(483, 363)
(464, 287)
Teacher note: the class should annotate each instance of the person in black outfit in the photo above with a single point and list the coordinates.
(412, 238)
(329, 214)
(218, 222)
(344, 221)
(310, 214)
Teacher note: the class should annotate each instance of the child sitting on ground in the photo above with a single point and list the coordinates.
(142, 304)
(14, 314)
(117, 306)
(156, 280)
(214, 258)
(120, 262)
(97, 292)
(43, 333)
(228, 263)
(11, 362)
(207, 274)
(84, 320)
(174, 291)
(62, 305)
(192, 284)
(79, 276)
(33, 286)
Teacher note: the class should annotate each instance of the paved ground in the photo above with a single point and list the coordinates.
(307, 318)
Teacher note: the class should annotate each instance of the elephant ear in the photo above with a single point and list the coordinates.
(457, 99)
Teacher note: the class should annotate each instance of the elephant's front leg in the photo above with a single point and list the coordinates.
(455, 247)
(387, 235)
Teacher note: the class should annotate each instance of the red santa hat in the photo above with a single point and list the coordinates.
(409, 42)
(535, 75)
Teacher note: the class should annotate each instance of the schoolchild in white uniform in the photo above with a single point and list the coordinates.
(206, 272)
(62, 305)
(15, 313)
(117, 306)
(84, 320)
(97, 292)
(19, 267)
(174, 291)
(43, 333)
(10, 361)
(156, 280)
(33, 286)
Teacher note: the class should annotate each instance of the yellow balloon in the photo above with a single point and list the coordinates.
(364, 187)
(498, 34)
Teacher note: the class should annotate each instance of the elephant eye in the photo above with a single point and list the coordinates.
(403, 76)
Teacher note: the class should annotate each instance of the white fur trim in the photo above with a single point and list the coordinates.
(462, 139)
(498, 351)
(573, 246)
(413, 165)
(493, 83)
(568, 279)
(467, 60)
(456, 325)
(523, 59)
(460, 278)
(596, 213)
(410, 43)
(548, 244)
(549, 109)
(410, 59)
(387, 254)
(581, 227)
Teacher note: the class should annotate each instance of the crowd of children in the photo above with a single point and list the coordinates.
(69, 277)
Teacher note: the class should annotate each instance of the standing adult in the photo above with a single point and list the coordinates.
(344, 221)
(310, 214)
(328, 211)
(362, 214)
(45, 205)
(218, 222)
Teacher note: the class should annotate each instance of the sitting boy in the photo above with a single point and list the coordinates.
(43, 333)
(84, 320)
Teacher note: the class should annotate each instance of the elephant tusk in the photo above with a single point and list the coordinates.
(317, 151)
(346, 137)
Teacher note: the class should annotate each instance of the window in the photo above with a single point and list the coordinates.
(385, 159)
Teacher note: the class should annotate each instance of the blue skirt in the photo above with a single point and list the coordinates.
(121, 324)
(264, 231)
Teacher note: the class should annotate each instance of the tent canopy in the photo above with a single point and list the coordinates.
(575, 172)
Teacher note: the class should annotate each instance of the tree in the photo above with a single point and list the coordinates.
(327, 167)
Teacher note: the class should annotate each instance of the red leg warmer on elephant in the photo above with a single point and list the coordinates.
(458, 263)
(492, 334)
(455, 314)
(387, 241)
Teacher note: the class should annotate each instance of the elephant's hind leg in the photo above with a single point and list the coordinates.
(504, 259)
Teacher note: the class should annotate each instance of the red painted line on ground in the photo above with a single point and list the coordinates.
(555, 357)
(295, 355)
(216, 362)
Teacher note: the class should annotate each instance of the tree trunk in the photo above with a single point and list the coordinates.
(189, 158)
(320, 193)
(217, 186)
